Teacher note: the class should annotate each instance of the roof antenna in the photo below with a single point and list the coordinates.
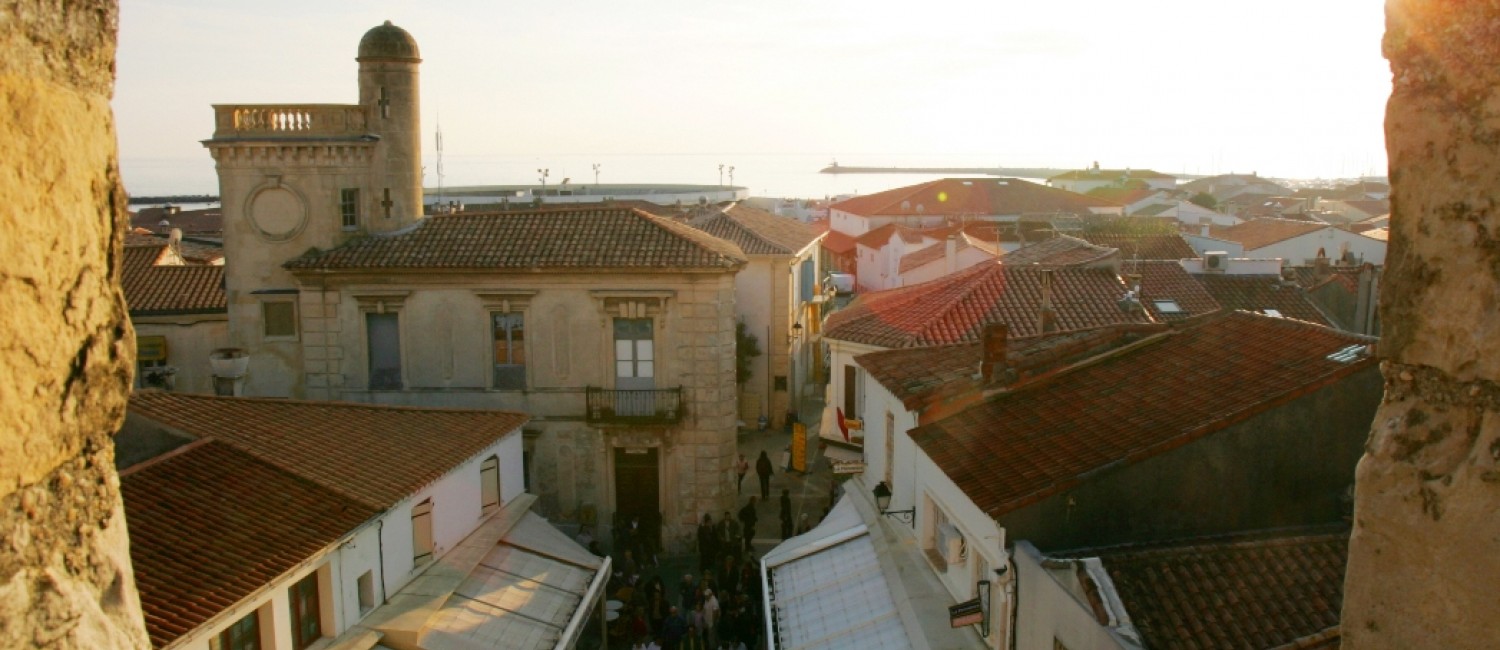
(441, 202)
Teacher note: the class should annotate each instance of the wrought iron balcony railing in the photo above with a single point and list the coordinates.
(658, 406)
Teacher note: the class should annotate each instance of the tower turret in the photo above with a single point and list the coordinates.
(388, 93)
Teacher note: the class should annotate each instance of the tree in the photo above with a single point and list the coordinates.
(1204, 199)
(746, 348)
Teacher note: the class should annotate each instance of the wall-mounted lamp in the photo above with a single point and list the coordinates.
(883, 501)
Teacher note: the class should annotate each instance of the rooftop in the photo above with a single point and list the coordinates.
(373, 455)
(1024, 445)
(939, 251)
(210, 525)
(561, 240)
(1168, 246)
(1259, 233)
(1261, 293)
(1163, 280)
(756, 231)
(972, 196)
(154, 288)
(1109, 174)
(955, 308)
(1061, 250)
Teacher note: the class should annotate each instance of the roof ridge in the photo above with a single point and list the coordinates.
(152, 393)
(691, 234)
(967, 291)
(1280, 535)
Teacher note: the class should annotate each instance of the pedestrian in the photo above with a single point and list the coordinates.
(730, 543)
(741, 467)
(708, 544)
(687, 590)
(674, 628)
(710, 617)
(747, 522)
(786, 513)
(763, 468)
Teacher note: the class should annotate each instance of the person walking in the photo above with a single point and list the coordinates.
(763, 469)
(747, 522)
(708, 544)
(786, 513)
(741, 467)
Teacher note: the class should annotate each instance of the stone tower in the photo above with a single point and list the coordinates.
(388, 92)
(297, 177)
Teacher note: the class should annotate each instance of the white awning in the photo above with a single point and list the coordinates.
(533, 590)
(826, 588)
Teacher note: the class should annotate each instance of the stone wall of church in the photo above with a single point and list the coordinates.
(66, 349)
(1422, 560)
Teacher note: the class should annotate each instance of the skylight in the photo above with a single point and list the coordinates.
(1272, 312)
(1349, 354)
(1167, 306)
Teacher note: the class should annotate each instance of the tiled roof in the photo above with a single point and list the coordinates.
(209, 525)
(1370, 207)
(971, 196)
(1154, 209)
(151, 289)
(939, 251)
(1046, 437)
(1122, 195)
(1257, 293)
(1108, 174)
(376, 455)
(838, 243)
(757, 232)
(1061, 250)
(1144, 247)
(879, 237)
(1233, 594)
(912, 374)
(954, 308)
(207, 220)
(1164, 280)
(193, 251)
(1259, 233)
(568, 240)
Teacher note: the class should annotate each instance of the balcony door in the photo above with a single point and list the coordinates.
(635, 366)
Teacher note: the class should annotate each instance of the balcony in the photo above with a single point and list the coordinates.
(659, 407)
(288, 121)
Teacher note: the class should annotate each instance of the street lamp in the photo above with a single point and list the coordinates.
(596, 175)
(721, 174)
(544, 173)
(731, 174)
(883, 501)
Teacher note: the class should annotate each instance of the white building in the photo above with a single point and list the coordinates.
(1301, 242)
(280, 524)
(1083, 181)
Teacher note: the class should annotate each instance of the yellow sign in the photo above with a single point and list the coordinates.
(151, 348)
(799, 447)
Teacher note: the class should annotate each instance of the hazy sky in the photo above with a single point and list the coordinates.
(1283, 87)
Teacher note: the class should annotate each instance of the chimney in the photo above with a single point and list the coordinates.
(1047, 318)
(995, 346)
(1320, 266)
(950, 253)
(1207, 224)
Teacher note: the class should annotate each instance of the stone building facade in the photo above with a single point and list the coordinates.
(612, 328)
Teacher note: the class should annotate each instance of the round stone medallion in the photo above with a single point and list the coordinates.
(277, 213)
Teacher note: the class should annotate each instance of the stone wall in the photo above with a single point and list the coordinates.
(66, 348)
(1423, 560)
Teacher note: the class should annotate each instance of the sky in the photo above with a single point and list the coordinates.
(1287, 88)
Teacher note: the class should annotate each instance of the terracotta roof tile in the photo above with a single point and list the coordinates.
(1257, 293)
(151, 289)
(209, 525)
(207, 220)
(1260, 593)
(954, 308)
(971, 196)
(1061, 250)
(567, 240)
(757, 232)
(1144, 247)
(838, 243)
(376, 455)
(1164, 280)
(939, 251)
(1259, 233)
(1122, 195)
(1044, 437)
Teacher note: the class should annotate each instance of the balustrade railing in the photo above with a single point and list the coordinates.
(288, 120)
(659, 406)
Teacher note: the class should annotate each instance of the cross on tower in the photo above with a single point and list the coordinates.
(385, 103)
(386, 203)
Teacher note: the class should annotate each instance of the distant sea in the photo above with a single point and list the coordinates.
(772, 175)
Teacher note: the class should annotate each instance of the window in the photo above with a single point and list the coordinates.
(421, 531)
(307, 621)
(243, 635)
(851, 379)
(489, 482)
(366, 587)
(349, 207)
(509, 334)
(383, 335)
(1167, 306)
(635, 357)
(280, 319)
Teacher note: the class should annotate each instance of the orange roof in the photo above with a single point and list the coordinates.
(1122, 195)
(152, 290)
(838, 243)
(1059, 251)
(210, 525)
(757, 232)
(939, 250)
(562, 240)
(1166, 280)
(376, 455)
(971, 196)
(1044, 438)
(954, 308)
(1258, 293)
(1144, 247)
(1259, 233)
